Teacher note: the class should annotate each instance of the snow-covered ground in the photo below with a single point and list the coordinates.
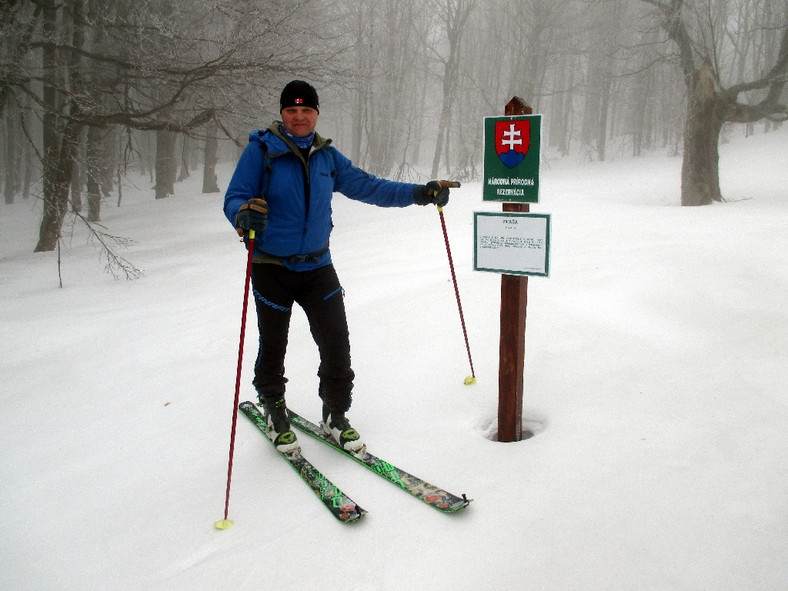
(656, 372)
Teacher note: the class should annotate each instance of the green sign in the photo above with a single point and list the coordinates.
(512, 146)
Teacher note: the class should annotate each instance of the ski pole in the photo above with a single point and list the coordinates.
(471, 379)
(227, 523)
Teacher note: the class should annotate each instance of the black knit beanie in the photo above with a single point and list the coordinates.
(299, 94)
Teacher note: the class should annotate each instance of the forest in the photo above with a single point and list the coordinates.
(91, 89)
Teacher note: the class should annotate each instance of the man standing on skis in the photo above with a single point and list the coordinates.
(282, 189)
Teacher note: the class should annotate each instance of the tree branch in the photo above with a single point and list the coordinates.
(775, 78)
(116, 264)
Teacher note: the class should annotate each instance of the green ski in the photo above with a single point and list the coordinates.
(437, 498)
(341, 506)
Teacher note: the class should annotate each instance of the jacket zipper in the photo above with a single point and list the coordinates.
(306, 191)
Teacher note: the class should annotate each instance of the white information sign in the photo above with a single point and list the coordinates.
(512, 243)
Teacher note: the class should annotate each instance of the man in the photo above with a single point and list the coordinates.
(282, 189)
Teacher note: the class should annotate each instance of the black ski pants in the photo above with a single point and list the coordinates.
(319, 293)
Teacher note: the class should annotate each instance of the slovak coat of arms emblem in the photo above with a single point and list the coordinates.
(512, 140)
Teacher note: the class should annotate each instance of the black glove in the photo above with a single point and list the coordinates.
(253, 215)
(432, 192)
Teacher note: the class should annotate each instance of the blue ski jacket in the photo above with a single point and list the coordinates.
(299, 192)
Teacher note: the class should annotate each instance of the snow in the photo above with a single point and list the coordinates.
(655, 381)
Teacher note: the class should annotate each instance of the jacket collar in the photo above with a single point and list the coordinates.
(320, 141)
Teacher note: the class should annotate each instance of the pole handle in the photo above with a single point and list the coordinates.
(446, 185)
(449, 184)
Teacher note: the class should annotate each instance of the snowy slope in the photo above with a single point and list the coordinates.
(655, 378)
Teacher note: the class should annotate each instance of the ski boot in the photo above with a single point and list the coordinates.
(279, 431)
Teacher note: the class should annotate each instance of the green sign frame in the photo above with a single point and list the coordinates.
(512, 243)
(512, 158)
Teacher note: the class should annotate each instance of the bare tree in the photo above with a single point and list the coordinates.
(605, 66)
(699, 32)
(453, 16)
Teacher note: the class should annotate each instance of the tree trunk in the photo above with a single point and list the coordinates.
(444, 124)
(166, 164)
(93, 159)
(184, 158)
(60, 149)
(209, 180)
(604, 111)
(12, 157)
(77, 178)
(700, 179)
(56, 204)
(54, 211)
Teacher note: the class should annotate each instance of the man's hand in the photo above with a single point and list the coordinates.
(253, 215)
(436, 192)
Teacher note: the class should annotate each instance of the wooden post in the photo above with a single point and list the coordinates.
(514, 298)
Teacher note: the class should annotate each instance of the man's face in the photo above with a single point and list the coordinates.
(299, 121)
